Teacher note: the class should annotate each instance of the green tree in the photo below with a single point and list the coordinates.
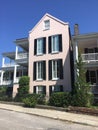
(82, 95)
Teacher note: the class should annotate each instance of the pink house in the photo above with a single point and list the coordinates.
(49, 56)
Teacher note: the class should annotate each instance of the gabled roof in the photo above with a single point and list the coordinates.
(52, 17)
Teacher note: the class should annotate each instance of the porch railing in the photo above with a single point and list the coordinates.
(7, 82)
(9, 65)
(22, 55)
(89, 57)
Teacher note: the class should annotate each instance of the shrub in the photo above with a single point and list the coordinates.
(60, 99)
(23, 89)
(4, 94)
(32, 99)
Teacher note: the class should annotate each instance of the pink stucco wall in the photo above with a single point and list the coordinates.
(56, 27)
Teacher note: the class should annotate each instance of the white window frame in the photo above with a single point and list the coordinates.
(55, 43)
(39, 46)
(55, 88)
(54, 70)
(39, 89)
(46, 24)
(39, 71)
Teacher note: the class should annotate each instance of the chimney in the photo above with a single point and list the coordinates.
(76, 29)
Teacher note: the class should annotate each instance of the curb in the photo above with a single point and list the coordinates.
(55, 118)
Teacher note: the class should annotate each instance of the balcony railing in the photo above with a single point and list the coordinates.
(89, 57)
(8, 82)
(22, 56)
(9, 65)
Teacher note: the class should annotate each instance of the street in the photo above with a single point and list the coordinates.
(10, 120)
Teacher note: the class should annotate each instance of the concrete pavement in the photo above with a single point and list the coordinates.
(54, 114)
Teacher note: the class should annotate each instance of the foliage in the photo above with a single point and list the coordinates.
(4, 95)
(60, 99)
(82, 95)
(23, 89)
(32, 99)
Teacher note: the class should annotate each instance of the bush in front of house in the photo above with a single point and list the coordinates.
(60, 99)
(32, 99)
(23, 89)
(5, 94)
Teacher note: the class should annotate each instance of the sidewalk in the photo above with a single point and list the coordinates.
(54, 114)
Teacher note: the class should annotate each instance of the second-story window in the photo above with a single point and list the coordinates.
(40, 46)
(55, 43)
(39, 70)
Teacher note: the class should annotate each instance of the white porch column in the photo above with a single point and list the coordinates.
(75, 58)
(76, 51)
(16, 52)
(3, 61)
(2, 77)
(15, 70)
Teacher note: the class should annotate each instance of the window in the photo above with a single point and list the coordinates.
(55, 43)
(39, 89)
(40, 46)
(91, 76)
(55, 69)
(47, 25)
(39, 70)
(55, 88)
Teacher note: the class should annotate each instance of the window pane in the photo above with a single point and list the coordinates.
(46, 24)
(39, 71)
(40, 46)
(55, 43)
(54, 70)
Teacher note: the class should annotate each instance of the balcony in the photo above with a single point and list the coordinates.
(7, 82)
(8, 65)
(22, 56)
(90, 57)
(22, 59)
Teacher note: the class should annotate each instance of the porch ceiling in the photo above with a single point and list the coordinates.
(10, 55)
(23, 43)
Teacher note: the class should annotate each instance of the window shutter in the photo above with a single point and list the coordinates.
(34, 71)
(60, 67)
(44, 45)
(49, 44)
(44, 70)
(96, 50)
(60, 42)
(35, 46)
(87, 76)
(50, 90)
(50, 69)
(97, 76)
(34, 89)
(44, 90)
(86, 50)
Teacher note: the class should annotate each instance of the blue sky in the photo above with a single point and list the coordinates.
(18, 17)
